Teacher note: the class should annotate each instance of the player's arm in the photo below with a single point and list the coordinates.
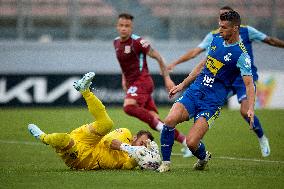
(156, 55)
(273, 41)
(189, 79)
(131, 150)
(244, 63)
(164, 72)
(192, 53)
(118, 145)
(124, 85)
(248, 81)
(256, 35)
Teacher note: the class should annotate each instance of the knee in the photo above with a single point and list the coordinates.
(171, 121)
(101, 127)
(107, 124)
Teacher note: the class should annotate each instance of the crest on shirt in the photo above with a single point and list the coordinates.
(127, 49)
(228, 57)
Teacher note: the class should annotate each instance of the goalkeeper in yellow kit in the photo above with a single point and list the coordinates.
(93, 146)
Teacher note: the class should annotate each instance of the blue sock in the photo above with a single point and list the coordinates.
(167, 141)
(200, 153)
(256, 126)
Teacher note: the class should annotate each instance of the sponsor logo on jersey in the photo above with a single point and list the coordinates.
(132, 91)
(213, 65)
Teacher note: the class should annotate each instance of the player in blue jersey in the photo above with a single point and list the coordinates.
(227, 58)
(248, 35)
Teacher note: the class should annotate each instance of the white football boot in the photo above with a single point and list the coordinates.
(35, 131)
(186, 152)
(84, 83)
(201, 164)
(164, 167)
(264, 146)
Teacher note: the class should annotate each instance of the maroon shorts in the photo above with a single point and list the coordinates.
(141, 91)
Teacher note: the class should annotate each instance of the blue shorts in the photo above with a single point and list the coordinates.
(239, 89)
(198, 104)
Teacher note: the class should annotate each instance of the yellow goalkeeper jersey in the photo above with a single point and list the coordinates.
(99, 155)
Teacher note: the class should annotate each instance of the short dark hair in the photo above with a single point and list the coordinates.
(143, 132)
(126, 16)
(231, 16)
(227, 8)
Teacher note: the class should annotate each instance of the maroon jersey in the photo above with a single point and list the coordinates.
(131, 55)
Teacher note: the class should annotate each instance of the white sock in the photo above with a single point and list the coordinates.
(184, 143)
(159, 126)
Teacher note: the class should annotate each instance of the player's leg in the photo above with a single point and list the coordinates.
(194, 143)
(137, 96)
(132, 108)
(67, 147)
(103, 123)
(179, 137)
(177, 114)
(208, 111)
(257, 128)
(56, 140)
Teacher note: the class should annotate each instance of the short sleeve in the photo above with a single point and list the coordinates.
(206, 42)
(244, 63)
(255, 35)
(142, 45)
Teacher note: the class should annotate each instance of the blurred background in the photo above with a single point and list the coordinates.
(158, 19)
(46, 44)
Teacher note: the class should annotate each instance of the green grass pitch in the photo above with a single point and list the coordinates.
(236, 160)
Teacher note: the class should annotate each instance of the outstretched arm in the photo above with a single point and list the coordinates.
(205, 44)
(164, 72)
(273, 41)
(189, 79)
(192, 53)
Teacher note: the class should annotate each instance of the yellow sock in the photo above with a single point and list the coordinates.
(56, 140)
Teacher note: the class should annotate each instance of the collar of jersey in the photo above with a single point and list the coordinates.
(233, 44)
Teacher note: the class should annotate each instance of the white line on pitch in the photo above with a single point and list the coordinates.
(238, 159)
(19, 142)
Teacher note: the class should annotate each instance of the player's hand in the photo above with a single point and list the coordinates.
(175, 90)
(169, 83)
(171, 67)
(115, 144)
(250, 114)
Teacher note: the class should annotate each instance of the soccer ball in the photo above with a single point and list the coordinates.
(148, 159)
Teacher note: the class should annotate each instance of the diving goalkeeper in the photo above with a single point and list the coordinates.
(93, 146)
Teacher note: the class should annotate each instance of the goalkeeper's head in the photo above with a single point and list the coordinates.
(140, 139)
